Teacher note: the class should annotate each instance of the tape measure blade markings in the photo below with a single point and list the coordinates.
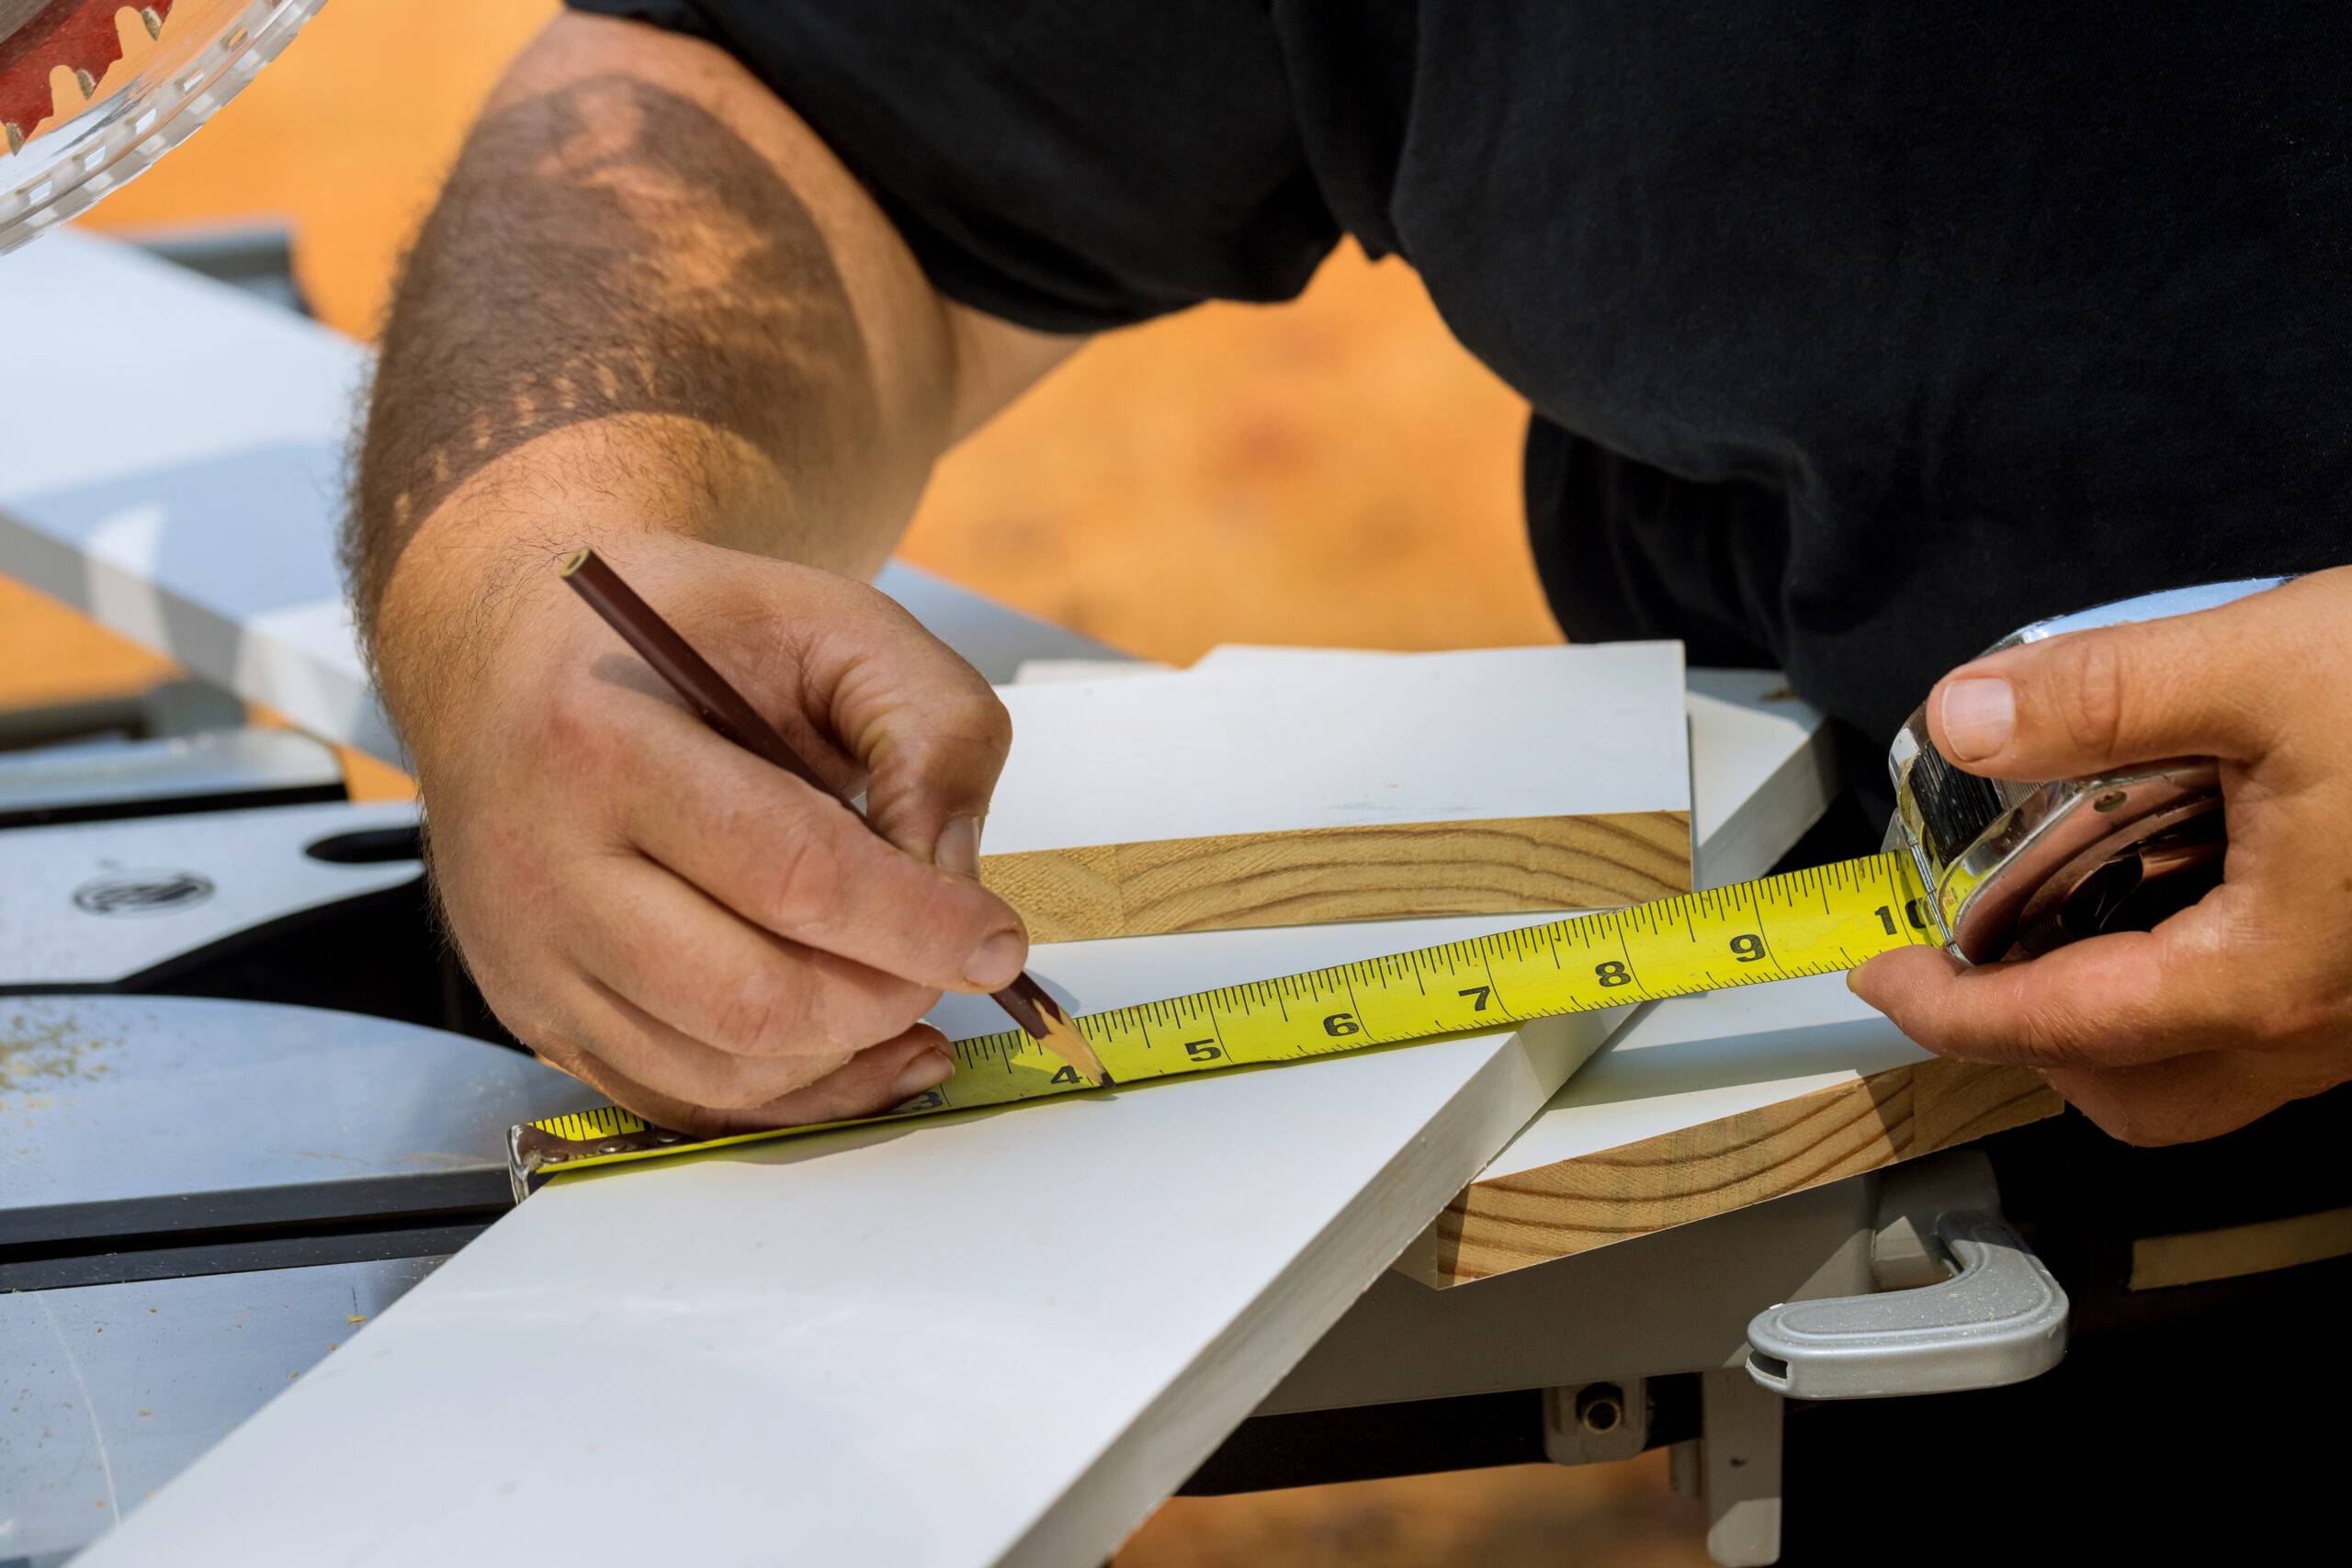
(1801, 923)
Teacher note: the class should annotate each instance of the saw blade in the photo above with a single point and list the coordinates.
(36, 37)
(80, 120)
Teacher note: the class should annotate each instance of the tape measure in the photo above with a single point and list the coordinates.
(1801, 923)
(1985, 868)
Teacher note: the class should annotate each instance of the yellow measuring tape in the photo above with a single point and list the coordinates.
(1801, 923)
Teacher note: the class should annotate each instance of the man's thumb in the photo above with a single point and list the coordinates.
(2100, 699)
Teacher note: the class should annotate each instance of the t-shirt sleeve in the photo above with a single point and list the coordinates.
(1071, 165)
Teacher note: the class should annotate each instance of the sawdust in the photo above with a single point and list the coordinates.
(43, 1049)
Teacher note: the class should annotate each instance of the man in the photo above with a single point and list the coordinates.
(1855, 341)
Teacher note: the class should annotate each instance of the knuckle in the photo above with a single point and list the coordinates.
(578, 726)
(735, 1090)
(845, 1014)
(968, 740)
(988, 722)
(805, 880)
(759, 1017)
(861, 1019)
(2096, 697)
(2059, 1039)
(745, 1083)
(2303, 1017)
(944, 926)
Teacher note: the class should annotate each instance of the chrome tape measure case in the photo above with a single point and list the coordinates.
(2019, 869)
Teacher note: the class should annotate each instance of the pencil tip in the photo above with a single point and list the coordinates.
(1070, 1043)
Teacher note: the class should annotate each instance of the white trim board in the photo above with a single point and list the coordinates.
(1745, 707)
(179, 477)
(1478, 734)
(1002, 1338)
(1746, 713)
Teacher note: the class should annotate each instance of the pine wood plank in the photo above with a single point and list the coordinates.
(2193, 1257)
(1312, 877)
(1503, 1223)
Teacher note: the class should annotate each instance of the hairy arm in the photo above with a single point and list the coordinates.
(650, 294)
(652, 312)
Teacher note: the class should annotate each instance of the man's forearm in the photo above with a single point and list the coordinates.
(623, 308)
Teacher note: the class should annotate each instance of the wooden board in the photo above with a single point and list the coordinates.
(1503, 865)
(1496, 781)
(1708, 1104)
(2194, 1258)
(1003, 1338)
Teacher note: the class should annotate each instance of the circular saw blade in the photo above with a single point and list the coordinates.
(38, 36)
(81, 115)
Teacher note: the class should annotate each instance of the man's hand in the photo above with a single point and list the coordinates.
(700, 935)
(652, 312)
(2239, 1004)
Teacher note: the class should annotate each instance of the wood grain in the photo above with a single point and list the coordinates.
(1237, 881)
(2192, 1257)
(1558, 1210)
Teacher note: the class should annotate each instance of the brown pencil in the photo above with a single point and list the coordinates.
(722, 707)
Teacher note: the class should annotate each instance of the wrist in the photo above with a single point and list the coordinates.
(474, 606)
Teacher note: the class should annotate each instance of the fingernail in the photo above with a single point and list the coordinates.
(996, 961)
(959, 847)
(932, 1068)
(1980, 714)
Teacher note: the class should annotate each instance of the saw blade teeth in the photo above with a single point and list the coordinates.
(84, 36)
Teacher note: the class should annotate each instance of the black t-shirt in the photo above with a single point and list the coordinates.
(1857, 335)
